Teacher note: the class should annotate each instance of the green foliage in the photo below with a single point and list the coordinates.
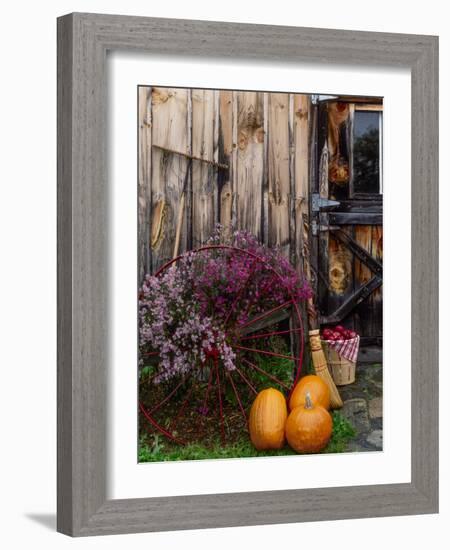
(146, 372)
(343, 431)
(158, 449)
(282, 369)
(241, 449)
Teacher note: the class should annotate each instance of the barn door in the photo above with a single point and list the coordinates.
(346, 214)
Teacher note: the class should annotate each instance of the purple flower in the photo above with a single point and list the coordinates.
(188, 310)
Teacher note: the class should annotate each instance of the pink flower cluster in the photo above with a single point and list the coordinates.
(190, 312)
(170, 322)
(268, 277)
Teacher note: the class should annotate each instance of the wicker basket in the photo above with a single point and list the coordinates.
(342, 370)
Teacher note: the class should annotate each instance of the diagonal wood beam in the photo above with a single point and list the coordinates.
(355, 299)
(374, 265)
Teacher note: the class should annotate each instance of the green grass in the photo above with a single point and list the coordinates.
(157, 448)
(161, 450)
(343, 432)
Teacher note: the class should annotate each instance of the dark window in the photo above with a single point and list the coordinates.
(366, 152)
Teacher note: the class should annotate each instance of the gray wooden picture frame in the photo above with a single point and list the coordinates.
(83, 41)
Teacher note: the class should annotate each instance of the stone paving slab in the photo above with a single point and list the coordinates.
(363, 407)
(376, 407)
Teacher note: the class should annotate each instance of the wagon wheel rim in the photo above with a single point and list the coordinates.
(243, 338)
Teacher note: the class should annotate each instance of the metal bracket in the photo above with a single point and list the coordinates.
(318, 202)
(328, 227)
(316, 98)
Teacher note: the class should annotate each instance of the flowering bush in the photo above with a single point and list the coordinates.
(190, 311)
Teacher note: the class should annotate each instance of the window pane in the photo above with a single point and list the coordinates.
(366, 152)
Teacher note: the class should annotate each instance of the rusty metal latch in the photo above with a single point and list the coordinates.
(318, 202)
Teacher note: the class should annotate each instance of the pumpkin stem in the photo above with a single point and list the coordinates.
(308, 402)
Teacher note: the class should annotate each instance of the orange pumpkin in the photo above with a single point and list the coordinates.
(309, 428)
(267, 420)
(318, 391)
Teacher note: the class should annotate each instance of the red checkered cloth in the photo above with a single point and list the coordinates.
(346, 348)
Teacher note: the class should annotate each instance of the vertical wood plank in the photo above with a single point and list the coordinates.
(326, 248)
(189, 197)
(265, 189)
(362, 274)
(279, 172)
(350, 140)
(377, 296)
(301, 156)
(170, 130)
(338, 147)
(144, 181)
(313, 136)
(216, 155)
(250, 161)
(301, 191)
(204, 176)
(226, 157)
(234, 159)
(293, 245)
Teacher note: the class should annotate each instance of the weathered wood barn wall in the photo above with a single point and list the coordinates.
(262, 137)
(279, 149)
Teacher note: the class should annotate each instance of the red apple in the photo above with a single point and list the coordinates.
(339, 328)
(337, 335)
(351, 334)
(327, 333)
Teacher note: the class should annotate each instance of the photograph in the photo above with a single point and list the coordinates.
(259, 295)
(224, 258)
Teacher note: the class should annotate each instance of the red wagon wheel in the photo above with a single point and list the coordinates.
(211, 399)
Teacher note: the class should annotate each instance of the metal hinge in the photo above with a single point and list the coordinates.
(315, 228)
(324, 227)
(318, 202)
(317, 98)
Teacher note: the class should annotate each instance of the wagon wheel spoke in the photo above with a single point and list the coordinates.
(158, 426)
(151, 378)
(240, 292)
(269, 334)
(251, 301)
(262, 371)
(265, 352)
(150, 353)
(265, 315)
(219, 393)
(236, 393)
(161, 403)
(175, 419)
(245, 379)
(202, 411)
(208, 388)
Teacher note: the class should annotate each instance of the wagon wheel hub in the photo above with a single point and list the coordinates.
(212, 353)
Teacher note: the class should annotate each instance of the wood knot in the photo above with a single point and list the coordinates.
(242, 140)
(159, 96)
(300, 113)
(259, 135)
